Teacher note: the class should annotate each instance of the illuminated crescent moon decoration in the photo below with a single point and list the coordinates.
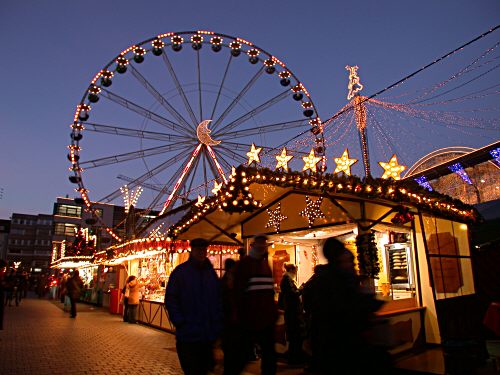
(203, 133)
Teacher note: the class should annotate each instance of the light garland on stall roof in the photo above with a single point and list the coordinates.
(406, 191)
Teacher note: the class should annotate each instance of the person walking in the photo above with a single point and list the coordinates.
(294, 314)
(193, 302)
(3, 266)
(125, 293)
(256, 310)
(231, 334)
(134, 297)
(74, 287)
(340, 314)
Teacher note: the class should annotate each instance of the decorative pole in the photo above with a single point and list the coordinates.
(360, 114)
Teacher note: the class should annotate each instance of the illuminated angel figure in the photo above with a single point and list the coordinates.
(354, 86)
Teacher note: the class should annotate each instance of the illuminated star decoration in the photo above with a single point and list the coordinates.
(216, 188)
(283, 160)
(200, 201)
(310, 161)
(344, 163)
(253, 154)
(275, 218)
(392, 168)
(312, 210)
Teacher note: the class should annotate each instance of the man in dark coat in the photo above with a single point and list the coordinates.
(256, 311)
(192, 299)
(74, 287)
(340, 314)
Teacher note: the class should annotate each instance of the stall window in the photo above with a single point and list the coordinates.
(396, 281)
(449, 256)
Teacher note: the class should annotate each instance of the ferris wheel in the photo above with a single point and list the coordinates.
(171, 115)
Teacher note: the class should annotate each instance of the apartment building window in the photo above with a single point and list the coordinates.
(64, 229)
(68, 210)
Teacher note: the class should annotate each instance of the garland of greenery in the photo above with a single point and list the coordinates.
(368, 261)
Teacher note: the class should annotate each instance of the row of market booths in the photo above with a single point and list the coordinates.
(411, 243)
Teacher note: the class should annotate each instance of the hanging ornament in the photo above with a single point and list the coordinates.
(253, 154)
(275, 218)
(310, 161)
(315, 258)
(312, 210)
(392, 168)
(344, 163)
(283, 160)
(403, 216)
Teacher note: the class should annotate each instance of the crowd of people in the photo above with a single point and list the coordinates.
(331, 312)
(326, 319)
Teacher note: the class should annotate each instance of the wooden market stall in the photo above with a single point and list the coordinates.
(412, 243)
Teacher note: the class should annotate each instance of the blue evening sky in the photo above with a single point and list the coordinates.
(52, 49)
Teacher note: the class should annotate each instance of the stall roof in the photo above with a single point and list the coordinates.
(250, 189)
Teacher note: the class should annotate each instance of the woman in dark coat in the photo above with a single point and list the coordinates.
(294, 314)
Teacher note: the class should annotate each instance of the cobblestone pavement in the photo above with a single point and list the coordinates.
(40, 338)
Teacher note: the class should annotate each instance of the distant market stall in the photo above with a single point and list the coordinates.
(152, 260)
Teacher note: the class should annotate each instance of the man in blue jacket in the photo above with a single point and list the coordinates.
(192, 299)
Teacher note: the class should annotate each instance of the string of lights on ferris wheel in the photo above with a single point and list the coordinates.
(204, 147)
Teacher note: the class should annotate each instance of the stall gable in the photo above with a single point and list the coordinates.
(291, 219)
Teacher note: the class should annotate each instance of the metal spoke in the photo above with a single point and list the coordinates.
(146, 176)
(193, 175)
(115, 130)
(265, 129)
(159, 97)
(199, 84)
(120, 158)
(238, 98)
(140, 110)
(180, 182)
(129, 179)
(162, 192)
(179, 88)
(221, 85)
(254, 111)
(265, 149)
(205, 170)
(231, 154)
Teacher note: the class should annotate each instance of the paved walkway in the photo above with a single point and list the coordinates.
(40, 338)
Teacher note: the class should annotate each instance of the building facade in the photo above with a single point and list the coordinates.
(4, 238)
(29, 244)
(71, 217)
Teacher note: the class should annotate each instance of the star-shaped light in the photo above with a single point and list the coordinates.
(392, 168)
(283, 160)
(312, 210)
(216, 188)
(310, 161)
(200, 201)
(253, 154)
(275, 218)
(344, 163)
